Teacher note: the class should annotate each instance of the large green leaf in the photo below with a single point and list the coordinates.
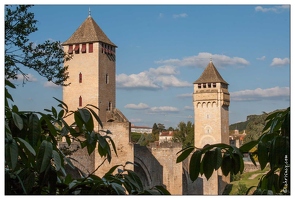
(78, 120)
(85, 114)
(26, 145)
(194, 165)
(136, 179)
(95, 115)
(90, 142)
(54, 112)
(89, 125)
(61, 114)
(50, 126)
(34, 128)
(11, 151)
(262, 154)
(184, 153)
(218, 157)
(245, 148)
(162, 190)
(44, 156)
(18, 121)
(112, 142)
(8, 83)
(118, 188)
(209, 163)
(57, 160)
(226, 164)
(235, 160)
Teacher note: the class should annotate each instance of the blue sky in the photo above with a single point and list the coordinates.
(163, 49)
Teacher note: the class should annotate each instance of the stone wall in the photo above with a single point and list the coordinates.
(160, 161)
(125, 151)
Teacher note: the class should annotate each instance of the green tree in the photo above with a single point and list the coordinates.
(272, 147)
(155, 132)
(47, 58)
(255, 126)
(161, 127)
(184, 133)
(155, 129)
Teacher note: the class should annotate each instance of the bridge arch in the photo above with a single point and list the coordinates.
(142, 171)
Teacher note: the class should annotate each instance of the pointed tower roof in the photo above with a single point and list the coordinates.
(210, 75)
(88, 31)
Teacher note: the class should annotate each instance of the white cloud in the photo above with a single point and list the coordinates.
(202, 59)
(136, 81)
(163, 70)
(280, 62)
(261, 58)
(140, 106)
(153, 79)
(261, 94)
(50, 84)
(172, 81)
(182, 15)
(187, 95)
(276, 9)
(164, 109)
(188, 108)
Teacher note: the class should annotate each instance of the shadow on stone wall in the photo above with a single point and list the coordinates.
(147, 167)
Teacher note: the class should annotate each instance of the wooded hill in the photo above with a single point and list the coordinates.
(253, 126)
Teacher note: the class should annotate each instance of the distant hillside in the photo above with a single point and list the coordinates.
(238, 126)
(253, 126)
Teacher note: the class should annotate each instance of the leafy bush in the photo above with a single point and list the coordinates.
(35, 165)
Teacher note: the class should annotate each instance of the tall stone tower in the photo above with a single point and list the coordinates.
(211, 102)
(92, 71)
(92, 78)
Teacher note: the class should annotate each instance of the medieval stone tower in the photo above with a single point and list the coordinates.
(211, 102)
(92, 70)
(92, 78)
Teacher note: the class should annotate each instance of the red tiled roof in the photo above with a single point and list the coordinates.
(167, 133)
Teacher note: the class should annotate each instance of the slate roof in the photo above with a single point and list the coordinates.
(88, 31)
(210, 75)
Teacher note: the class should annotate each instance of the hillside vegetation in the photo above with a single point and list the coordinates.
(253, 126)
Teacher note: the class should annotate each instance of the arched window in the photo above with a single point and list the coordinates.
(80, 101)
(80, 78)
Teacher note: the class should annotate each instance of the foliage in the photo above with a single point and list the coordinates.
(145, 139)
(255, 126)
(35, 165)
(135, 137)
(242, 189)
(47, 58)
(273, 148)
(184, 133)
